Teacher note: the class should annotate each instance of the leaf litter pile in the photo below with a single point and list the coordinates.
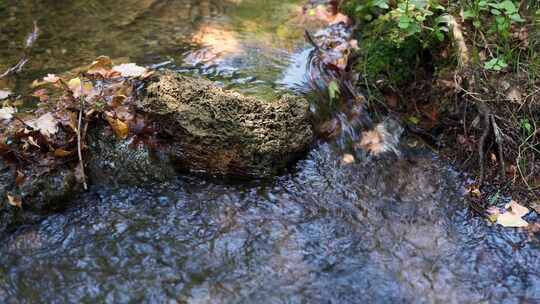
(36, 142)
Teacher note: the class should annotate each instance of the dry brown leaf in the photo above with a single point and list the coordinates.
(536, 206)
(19, 179)
(46, 124)
(4, 94)
(118, 100)
(372, 142)
(41, 94)
(6, 113)
(102, 65)
(120, 128)
(62, 153)
(514, 95)
(14, 201)
(130, 70)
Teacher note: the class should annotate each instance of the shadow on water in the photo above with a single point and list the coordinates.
(395, 230)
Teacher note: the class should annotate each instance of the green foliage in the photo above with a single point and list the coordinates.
(396, 33)
(496, 64)
(406, 18)
(495, 17)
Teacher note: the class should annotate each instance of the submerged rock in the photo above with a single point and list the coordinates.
(198, 127)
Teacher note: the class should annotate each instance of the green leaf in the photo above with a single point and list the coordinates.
(496, 64)
(382, 4)
(508, 6)
(526, 125)
(517, 18)
(468, 14)
(439, 35)
(404, 22)
(333, 89)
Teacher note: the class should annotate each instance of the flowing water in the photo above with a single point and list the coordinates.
(393, 230)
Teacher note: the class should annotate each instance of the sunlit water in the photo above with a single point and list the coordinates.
(395, 230)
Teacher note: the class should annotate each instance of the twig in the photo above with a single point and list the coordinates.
(481, 145)
(311, 41)
(32, 37)
(500, 141)
(79, 146)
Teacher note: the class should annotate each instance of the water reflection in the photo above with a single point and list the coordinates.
(229, 41)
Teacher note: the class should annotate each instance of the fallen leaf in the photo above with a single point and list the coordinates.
(130, 70)
(101, 63)
(7, 113)
(511, 220)
(514, 96)
(80, 88)
(41, 94)
(474, 191)
(46, 124)
(372, 142)
(14, 201)
(4, 94)
(51, 78)
(347, 159)
(62, 153)
(493, 214)
(120, 128)
(19, 179)
(517, 208)
(118, 100)
(536, 206)
(512, 217)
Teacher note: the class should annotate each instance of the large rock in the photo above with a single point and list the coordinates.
(225, 133)
(199, 128)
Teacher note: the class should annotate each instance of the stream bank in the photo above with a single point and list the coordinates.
(394, 229)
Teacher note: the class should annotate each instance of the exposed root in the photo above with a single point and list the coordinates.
(459, 39)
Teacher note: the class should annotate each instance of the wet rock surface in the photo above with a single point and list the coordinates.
(199, 128)
(391, 231)
(225, 133)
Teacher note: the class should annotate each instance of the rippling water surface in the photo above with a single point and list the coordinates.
(395, 230)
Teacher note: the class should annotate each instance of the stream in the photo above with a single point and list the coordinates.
(390, 230)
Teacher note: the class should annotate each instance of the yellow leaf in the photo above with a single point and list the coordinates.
(120, 128)
(14, 201)
(80, 88)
